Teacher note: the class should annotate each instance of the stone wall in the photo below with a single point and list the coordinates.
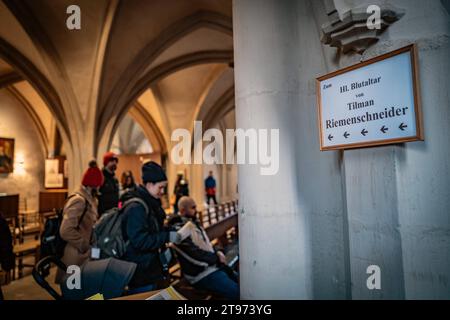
(334, 214)
(28, 176)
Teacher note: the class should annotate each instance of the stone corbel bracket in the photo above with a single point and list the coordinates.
(351, 33)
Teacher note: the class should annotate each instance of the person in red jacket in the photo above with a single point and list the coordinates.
(210, 188)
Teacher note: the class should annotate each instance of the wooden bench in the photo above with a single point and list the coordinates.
(219, 229)
(29, 225)
(22, 250)
(216, 213)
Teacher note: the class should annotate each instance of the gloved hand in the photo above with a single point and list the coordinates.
(174, 237)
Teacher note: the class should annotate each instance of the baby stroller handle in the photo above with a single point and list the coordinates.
(42, 270)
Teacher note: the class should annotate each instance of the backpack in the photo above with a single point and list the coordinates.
(52, 244)
(108, 235)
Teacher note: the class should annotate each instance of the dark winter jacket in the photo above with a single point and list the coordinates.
(196, 255)
(109, 193)
(147, 237)
(210, 182)
(6, 247)
(181, 189)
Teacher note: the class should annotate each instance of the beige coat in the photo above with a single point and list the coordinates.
(77, 250)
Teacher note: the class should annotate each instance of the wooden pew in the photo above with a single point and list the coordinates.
(51, 200)
(21, 251)
(217, 230)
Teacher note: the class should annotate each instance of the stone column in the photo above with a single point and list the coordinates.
(196, 186)
(284, 216)
(422, 168)
(398, 196)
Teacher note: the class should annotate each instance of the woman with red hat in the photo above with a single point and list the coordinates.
(80, 215)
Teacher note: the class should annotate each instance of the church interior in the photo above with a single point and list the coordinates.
(115, 80)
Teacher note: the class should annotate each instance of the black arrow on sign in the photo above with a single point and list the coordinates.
(364, 132)
(384, 129)
(330, 137)
(346, 135)
(403, 126)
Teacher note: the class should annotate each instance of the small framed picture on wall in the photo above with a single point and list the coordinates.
(53, 179)
(6, 155)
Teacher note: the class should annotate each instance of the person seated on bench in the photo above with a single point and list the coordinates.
(202, 266)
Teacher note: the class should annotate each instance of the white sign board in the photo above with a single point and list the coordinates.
(53, 179)
(373, 103)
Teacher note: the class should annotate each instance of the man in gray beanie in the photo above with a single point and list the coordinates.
(143, 226)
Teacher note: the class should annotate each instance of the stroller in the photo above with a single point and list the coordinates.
(108, 277)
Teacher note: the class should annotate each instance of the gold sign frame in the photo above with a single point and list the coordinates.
(412, 49)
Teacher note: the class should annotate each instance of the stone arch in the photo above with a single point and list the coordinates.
(72, 132)
(160, 72)
(221, 107)
(40, 129)
(38, 81)
(151, 129)
(119, 100)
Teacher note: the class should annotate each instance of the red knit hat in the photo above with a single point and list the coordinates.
(109, 156)
(93, 177)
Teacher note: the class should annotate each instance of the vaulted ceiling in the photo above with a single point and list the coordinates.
(165, 63)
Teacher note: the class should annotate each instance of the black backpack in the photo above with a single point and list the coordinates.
(107, 234)
(51, 242)
(109, 238)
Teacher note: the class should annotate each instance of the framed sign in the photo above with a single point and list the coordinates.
(53, 179)
(6, 155)
(372, 103)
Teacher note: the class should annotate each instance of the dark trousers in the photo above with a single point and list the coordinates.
(143, 289)
(221, 283)
(1, 294)
(209, 197)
